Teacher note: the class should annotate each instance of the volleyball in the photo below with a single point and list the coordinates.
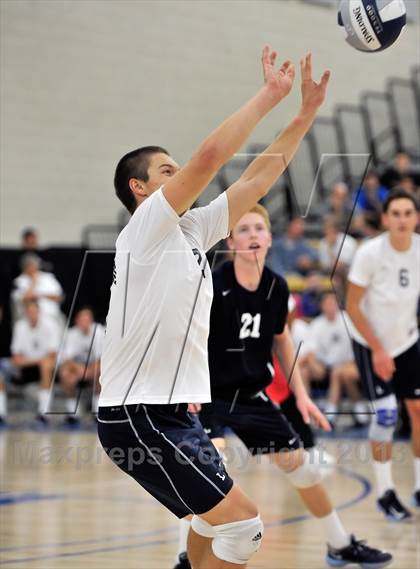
(372, 25)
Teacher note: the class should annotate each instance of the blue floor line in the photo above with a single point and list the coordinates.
(366, 490)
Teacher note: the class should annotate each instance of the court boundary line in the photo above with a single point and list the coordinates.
(365, 492)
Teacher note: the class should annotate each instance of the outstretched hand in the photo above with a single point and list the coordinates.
(278, 81)
(309, 410)
(313, 93)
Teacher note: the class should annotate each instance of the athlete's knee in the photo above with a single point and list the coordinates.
(384, 421)
(306, 475)
(289, 460)
(234, 542)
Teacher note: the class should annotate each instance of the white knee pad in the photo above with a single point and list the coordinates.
(306, 475)
(201, 527)
(236, 542)
(383, 423)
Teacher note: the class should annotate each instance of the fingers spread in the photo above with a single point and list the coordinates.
(305, 416)
(273, 56)
(309, 64)
(291, 72)
(324, 424)
(325, 78)
(302, 67)
(306, 67)
(321, 420)
(265, 54)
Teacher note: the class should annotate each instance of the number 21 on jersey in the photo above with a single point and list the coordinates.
(250, 326)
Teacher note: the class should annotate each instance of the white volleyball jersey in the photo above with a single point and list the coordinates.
(329, 340)
(300, 335)
(392, 280)
(155, 348)
(35, 342)
(83, 348)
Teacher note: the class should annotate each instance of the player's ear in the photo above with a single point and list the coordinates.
(270, 240)
(136, 186)
(229, 242)
(384, 220)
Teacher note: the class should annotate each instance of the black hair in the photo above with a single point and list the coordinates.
(83, 307)
(28, 232)
(372, 173)
(398, 194)
(135, 164)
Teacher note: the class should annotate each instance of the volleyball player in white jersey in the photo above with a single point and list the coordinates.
(155, 354)
(383, 294)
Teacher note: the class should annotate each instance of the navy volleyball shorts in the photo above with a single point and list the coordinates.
(405, 382)
(165, 449)
(257, 421)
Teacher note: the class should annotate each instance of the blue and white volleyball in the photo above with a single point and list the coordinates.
(372, 25)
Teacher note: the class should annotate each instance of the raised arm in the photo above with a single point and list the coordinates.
(261, 174)
(182, 189)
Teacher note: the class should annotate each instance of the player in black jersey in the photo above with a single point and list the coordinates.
(248, 320)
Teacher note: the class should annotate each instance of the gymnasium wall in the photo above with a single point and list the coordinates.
(82, 82)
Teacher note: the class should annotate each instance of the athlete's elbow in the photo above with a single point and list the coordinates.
(254, 185)
(208, 157)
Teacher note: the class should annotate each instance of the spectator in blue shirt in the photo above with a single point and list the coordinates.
(292, 253)
(372, 194)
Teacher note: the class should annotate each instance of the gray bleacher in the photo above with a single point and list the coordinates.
(380, 126)
(336, 149)
(406, 114)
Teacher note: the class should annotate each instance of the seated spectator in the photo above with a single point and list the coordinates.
(339, 206)
(292, 253)
(5, 374)
(400, 168)
(29, 240)
(35, 342)
(34, 284)
(328, 356)
(336, 249)
(372, 195)
(311, 296)
(81, 361)
(407, 183)
(29, 243)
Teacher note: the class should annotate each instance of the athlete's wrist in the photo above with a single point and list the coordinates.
(376, 347)
(269, 97)
(301, 393)
(307, 113)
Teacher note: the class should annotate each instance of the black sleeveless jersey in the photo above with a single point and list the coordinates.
(242, 326)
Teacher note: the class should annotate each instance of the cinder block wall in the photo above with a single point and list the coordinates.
(82, 82)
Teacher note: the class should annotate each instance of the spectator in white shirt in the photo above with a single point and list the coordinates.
(336, 252)
(34, 284)
(339, 205)
(328, 355)
(81, 361)
(335, 247)
(34, 348)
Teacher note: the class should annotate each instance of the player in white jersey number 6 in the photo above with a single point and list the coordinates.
(383, 294)
(155, 354)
